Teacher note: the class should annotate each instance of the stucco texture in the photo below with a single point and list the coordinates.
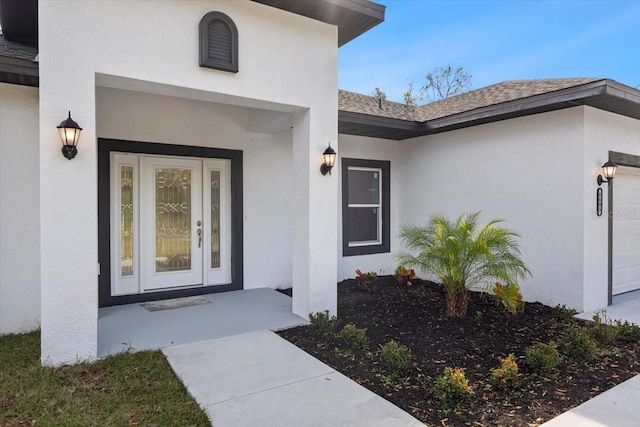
(527, 171)
(19, 209)
(287, 63)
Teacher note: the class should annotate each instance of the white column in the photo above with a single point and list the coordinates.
(19, 212)
(315, 214)
(68, 202)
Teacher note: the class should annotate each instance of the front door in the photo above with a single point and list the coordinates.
(171, 219)
(170, 223)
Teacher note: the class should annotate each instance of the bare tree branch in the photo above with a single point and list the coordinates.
(444, 82)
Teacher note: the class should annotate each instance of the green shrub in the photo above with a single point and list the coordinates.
(627, 332)
(322, 324)
(563, 315)
(603, 331)
(576, 344)
(463, 254)
(396, 357)
(543, 358)
(355, 338)
(453, 390)
(509, 296)
(505, 377)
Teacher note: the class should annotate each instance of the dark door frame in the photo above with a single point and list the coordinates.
(620, 159)
(105, 148)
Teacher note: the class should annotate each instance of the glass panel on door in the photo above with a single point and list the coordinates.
(173, 219)
(126, 221)
(171, 223)
(215, 219)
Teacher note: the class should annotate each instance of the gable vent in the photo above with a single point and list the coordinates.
(218, 42)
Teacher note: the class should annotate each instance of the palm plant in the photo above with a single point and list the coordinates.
(464, 255)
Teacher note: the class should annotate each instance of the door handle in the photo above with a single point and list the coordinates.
(199, 232)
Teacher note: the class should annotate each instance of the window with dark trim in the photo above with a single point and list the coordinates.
(218, 42)
(365, 206)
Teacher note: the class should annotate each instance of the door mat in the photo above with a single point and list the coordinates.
(174, 303)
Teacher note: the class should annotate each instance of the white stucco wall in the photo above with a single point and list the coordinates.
(19, 210)
(528, 171)
(268, 207)
(357, 147)
(604, 132)
(267, 158)
(287, 63)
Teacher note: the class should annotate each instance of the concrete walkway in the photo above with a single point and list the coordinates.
(629, 311)
(616, 407)
(260, 379)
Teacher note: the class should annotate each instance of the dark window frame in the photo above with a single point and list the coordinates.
(385, 245)
(209, 62)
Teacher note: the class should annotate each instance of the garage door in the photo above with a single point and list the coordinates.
(626, 230)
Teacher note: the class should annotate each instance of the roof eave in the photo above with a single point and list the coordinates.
(359, 124)
(19, 71)
(597, 94)
(603, 94)
(352, 17)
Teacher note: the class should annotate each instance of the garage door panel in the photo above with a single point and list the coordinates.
(626, 231)
(632, 274)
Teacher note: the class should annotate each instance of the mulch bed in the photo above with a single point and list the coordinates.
(415, 316)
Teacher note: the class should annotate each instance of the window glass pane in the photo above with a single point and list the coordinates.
(363, 224)
(126, 220)
(173, 219)
(215, 219)
(364, 186)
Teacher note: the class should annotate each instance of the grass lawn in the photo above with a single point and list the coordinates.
(122, 390)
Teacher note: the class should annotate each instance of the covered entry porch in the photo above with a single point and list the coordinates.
(274, 237)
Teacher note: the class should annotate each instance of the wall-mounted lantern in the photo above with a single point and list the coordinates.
(329, 160)
(69, 135)
(609, 171)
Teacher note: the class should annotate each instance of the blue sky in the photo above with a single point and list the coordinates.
(494, 41)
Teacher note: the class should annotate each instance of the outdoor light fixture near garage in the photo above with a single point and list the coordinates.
(69, 134)
(329, 160)
(609, 171)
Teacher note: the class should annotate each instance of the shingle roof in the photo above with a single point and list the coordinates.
(495, 94)
(360, 114)
(491, 95)
(364, 104)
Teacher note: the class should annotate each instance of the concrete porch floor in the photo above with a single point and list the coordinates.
(628, 310)
(134, 328)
